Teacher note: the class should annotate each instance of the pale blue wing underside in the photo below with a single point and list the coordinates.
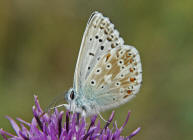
(108, 73)
(117, 84)
(94, 45)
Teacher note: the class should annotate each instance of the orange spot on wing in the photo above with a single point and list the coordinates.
(129, 92)
(125, 96)
(108, 55)
(127, 56)
(112, 45)
(132, 79)
(109, 38)
(131, 70)
(131, 60)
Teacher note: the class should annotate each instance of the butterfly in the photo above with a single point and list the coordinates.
(108, 73)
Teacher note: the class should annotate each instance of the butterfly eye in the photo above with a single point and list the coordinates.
(72, 95)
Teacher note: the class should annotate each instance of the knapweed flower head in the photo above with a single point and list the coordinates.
(51, 127)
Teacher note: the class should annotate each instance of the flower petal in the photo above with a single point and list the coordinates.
(14, 125)
(136, 131)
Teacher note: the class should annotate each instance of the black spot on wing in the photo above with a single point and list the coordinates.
(92, 54)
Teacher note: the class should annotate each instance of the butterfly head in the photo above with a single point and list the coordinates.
(73, 101)
(77, 103)
(70, 96)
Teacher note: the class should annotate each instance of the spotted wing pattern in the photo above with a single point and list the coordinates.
(108, 72)
(99, 37)
(116, 78)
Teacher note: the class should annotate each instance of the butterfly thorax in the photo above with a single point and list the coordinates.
(79, 103)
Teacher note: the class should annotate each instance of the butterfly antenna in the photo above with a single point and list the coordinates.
(53, 103)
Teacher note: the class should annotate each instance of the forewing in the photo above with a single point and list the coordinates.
(99, 37)
(116, 78)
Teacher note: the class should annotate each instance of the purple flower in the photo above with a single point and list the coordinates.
(50, 127)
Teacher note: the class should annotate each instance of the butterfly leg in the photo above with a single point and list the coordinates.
(102, 118)
(67, 106)
(83, 114)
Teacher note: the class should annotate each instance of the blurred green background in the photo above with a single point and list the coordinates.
(39, 44)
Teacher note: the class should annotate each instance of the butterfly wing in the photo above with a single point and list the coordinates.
(116, 78)
(108, 73)
(99, 37)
